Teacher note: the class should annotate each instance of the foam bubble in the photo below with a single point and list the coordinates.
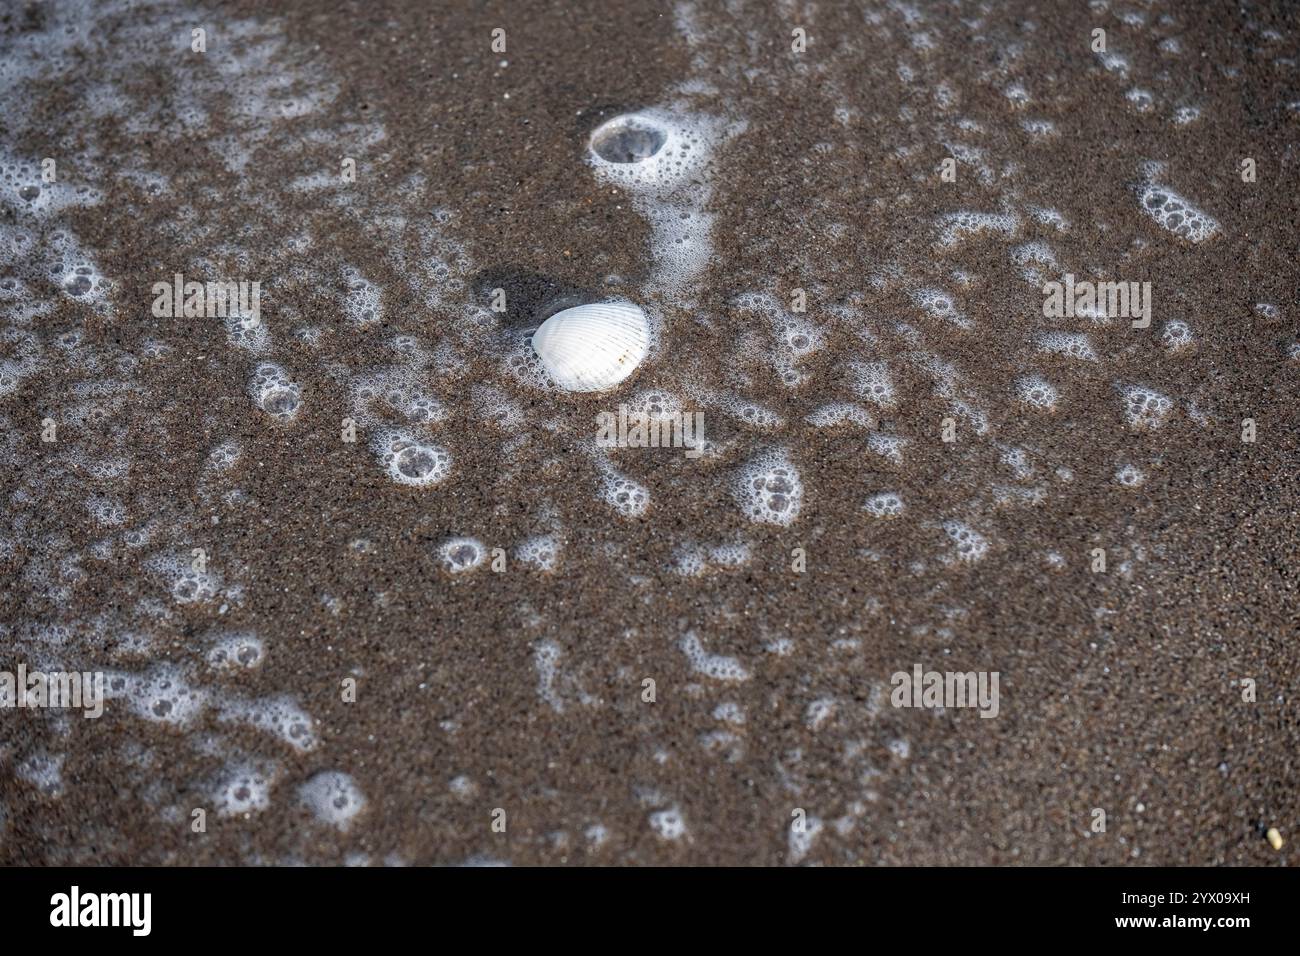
(461, 554)
(872, 381)
(279, 716)
(887, 504)
(970, 545)
(244, 789)
(162, 694)
(956, 227)
(232, 652)
(410, 462)
(1145, 408)
(1075, 345)
(1175, 213)
(273, 392)
(333, 797)
(1130, 477)
(716, 666)
(887, 446)
(1176, 336)
(541, 552)
(629, 498)
(834, 414)
(940, 305)
(1037, 392)
(769, 490)
(668, 824)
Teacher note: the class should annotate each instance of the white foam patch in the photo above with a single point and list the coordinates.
(411, 462)
(461, 554)
(747, 412)
(162, 695)
(956, 227)
(333, 797)
(716, 666)
(872, 381)
(834, 414)
(769, 490)
(629, 498)
(541, 552)
(1176, 336)
(1076, 345)
(939, 304)
(243, 789)
(1036, 392)
(235, 652)
(281, 717)
(186, 584)
(1175, 213)
(274, 392)
(887, 446)
(1143, 101)
(1145, 408)
(665, 159)
(969, 544)
(886, 504)
(44, 771)
(1129, 477)
(668, 824)
(546, 660)
(362, 301)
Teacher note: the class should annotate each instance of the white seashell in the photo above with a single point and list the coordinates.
(590, 348)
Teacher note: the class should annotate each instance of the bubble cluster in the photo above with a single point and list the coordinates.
(970, 545)
(834, 414)
(279, 716)
(872, 381)
(716, 666)
(232, 652)
(461, 554)
(1037, 392)
(1176, 214)
(274, 392)
(162, 694)
(955, 228)
(887, 504)
(940, 305)
(1129, 476)
(243, 789)
(887, 446)
(410, 462)
(768, 489)
(333, 797)
(668, 824)
(664, 157)
(629, 498)
(1145, 408)
(541, 552)
(1076, 345)
(1176, 336)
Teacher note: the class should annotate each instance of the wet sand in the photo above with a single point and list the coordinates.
(523, 690)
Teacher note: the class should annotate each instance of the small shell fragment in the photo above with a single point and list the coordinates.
(590, 348)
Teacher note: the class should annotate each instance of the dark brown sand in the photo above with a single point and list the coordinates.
(1118, 690)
